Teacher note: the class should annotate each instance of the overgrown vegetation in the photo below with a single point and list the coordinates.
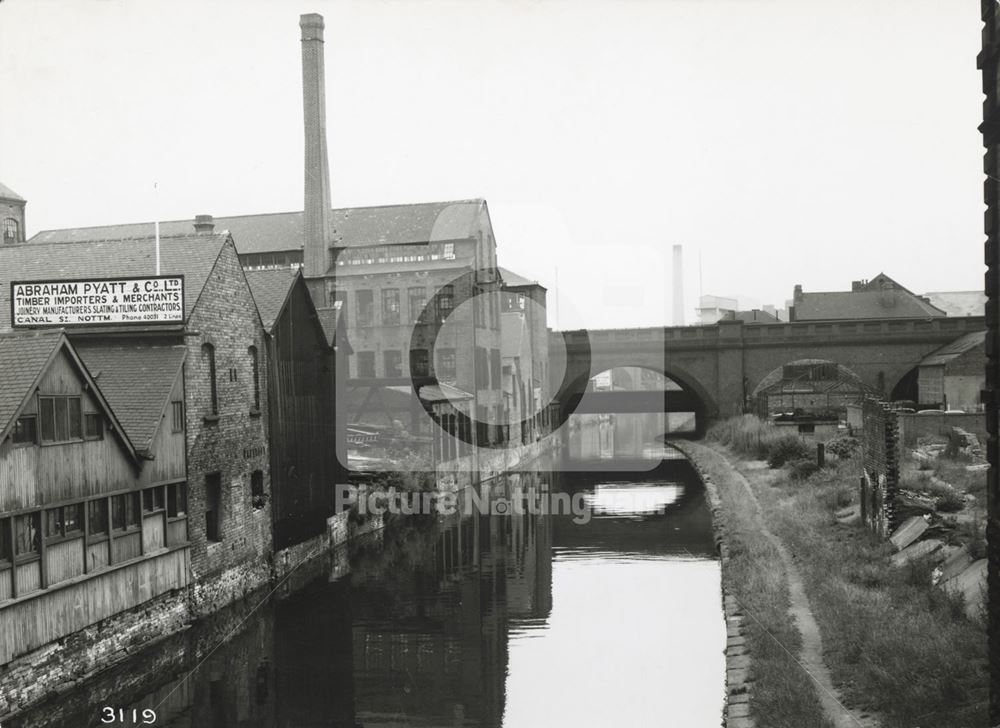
(894, 643)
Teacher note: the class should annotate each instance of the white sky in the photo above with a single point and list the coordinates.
(787, 141)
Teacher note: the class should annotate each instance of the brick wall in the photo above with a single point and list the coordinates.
(234, 445)
(60, 664)
(913, 426)
(880, 455)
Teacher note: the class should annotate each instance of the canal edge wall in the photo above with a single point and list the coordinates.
(739, 678)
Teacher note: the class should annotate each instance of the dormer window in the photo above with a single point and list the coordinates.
(61, 418)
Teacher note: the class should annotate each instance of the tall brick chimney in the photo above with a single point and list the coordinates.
(316, 253)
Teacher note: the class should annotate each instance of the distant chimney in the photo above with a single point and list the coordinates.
(678, 304)
(857, 286)
(316, 253)
(204, 224)
(797, 295)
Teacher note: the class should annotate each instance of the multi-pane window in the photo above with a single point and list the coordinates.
(93, 426)
(390, 307)
(64, 521)
(417, 301)
(255, 370)
(125, 511)
(177, 500)
(445, 369)
(213, 507)
(97, 517)
(61, 418)
(153, 499)
(208, 358)
(11, 231)
(25, 430)
(364, 303)
(177, 416)
(393, 360)
(419, 363)
(445, 300)
(366, 363)
(26, 534)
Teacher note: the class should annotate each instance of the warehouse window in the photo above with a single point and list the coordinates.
(257, 489)
(213, 506)
(93, 426)
(255, 369)
(208, 356)
(60, 419)
(177, 416)
(25, 431)
(11, 231)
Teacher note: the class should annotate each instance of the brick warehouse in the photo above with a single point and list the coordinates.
(227, 449)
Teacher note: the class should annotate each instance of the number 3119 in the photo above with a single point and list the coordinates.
(138, 717)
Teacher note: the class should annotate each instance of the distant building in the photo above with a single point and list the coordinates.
(880, 297)
(753, 316)
(713, 308)
(11, 215)
(953, 376)
(958, 303)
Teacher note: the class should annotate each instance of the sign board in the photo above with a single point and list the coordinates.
(96, 302)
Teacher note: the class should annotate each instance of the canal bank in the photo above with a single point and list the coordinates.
(900, 652)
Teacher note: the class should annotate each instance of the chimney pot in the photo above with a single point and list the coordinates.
(204, 224)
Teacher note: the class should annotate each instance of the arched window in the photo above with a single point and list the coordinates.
(255, 368)
(11, 232)
(208, 356)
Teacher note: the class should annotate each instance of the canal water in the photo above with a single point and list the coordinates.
(516, 620)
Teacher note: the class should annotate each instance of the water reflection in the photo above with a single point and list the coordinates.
(516, 620)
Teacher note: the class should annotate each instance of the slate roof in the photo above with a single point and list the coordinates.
(136, 380)
(752, 316)
(190, 255)
(270, 289)
(23, 356)
(956, 348)
(7, 193)
(861, 305)
(352, 226)
(334, 328)
(513, 280)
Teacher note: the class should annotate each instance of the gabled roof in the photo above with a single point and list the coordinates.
(24, 358)
(6, 193)
(352, 226)
(190, 255)
(956, 348)
(752, 316)
(513, 280)
(270, 290)
(137, 381)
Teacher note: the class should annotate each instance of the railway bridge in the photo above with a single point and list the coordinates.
(719, 366)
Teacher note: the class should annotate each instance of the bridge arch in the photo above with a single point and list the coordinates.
(807, 384)
(692, 395)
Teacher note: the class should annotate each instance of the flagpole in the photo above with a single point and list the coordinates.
(156, 224)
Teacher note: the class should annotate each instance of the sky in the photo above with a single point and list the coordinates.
(778, 141)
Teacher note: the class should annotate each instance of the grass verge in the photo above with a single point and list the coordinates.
(894, 644)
